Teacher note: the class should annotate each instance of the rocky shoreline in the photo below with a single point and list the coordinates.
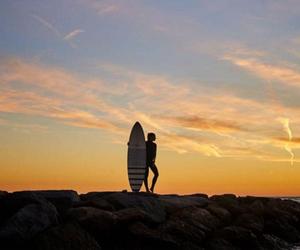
(119, 220)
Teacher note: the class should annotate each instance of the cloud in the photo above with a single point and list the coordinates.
(185, 117)
(103, 7)
(47, 24)
(67, 37)
(200, 123)
(72, 34)
(282, 74)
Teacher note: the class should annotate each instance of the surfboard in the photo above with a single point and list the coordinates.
(136, 157)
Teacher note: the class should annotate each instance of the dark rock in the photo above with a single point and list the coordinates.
(196, 195)
(61, 199)
(150, 238)
(273, 242)
(221, 213)
(3, 193)
(174, 203)
(200, 218)
(69, 236)
(130, 215)
(247, 200)
(183, 232)
(257, 208)
(94, 195)
(217, 244)
(280, 222)
(97, 202)
(282, 229)
(13, 202)
(239, 237)
(28, 221)
(148, 202)
(230, 203)
(191, 224)
(95, 220)
(250, 221)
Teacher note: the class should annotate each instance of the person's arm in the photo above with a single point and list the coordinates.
(154, 152)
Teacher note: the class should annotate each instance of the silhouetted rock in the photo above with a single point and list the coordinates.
(174, 203)
(148, 202)
(196, 195)
(217, 244)
(96, 202)
(28, 222)
(31, 220)
(131, 215)
(221, 213)
(250, 221)
(12, 202)
(151, 238)
(69, 236)
(272, 242)
(239, 237)
(3, 193)
(229, 202)
(61, 199)
(95, 220)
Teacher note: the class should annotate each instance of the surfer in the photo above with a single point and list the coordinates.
(151, 155)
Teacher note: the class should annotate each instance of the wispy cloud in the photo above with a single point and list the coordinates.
(67, 37)
(200, 123)
(103, 7)
(169, 107)
(282, 74)
(72, 34)
(47, 25)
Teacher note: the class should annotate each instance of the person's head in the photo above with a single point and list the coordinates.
(151, 137)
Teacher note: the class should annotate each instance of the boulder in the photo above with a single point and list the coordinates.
(148, 202)
(94, 195)
(68, 236)
(200, 218)
(221, 213)
(257, 207)
(250, 221)
(272, 242)
(239, 237)
(130, 215)
(150, 238)
(196, 195)
(61, 199)
(281, 228)
(229, 202)
(13, 202)
(182, 232)
(96, 221)
(3, 193)
(28, 222)
(174, 203)
(191, 225)
(97, 202)
(217, 244)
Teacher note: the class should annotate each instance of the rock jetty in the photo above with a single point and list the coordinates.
(65, 220)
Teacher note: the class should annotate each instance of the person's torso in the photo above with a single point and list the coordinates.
(151, 150)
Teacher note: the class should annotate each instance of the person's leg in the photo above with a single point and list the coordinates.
(155, 172)
(146, 179)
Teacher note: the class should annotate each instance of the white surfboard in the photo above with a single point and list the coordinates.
(136, 157)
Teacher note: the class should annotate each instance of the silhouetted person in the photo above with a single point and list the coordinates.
(151, 155)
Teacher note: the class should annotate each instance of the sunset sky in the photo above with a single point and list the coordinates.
(218, 81)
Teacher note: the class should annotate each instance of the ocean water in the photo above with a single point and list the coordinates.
(291, 198)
